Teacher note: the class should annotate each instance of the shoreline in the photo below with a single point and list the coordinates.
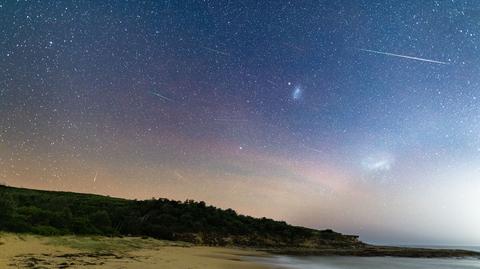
(33, 251)
(27, 250)
(379, 251)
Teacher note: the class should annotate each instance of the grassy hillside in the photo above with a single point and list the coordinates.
(58, 213)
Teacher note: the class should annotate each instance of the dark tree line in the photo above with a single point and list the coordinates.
(58, 213)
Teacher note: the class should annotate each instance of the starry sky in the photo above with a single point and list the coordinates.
(361, 116)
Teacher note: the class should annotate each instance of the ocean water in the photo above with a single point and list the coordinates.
(288, 262)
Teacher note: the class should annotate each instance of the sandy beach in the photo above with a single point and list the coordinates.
(31, 251)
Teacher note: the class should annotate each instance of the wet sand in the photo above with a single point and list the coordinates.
(31, 251)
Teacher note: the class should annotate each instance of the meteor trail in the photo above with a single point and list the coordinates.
(216, 51)
(403, 56)
(271, 82)
(312, 149)
(161, 96)
(230, 120)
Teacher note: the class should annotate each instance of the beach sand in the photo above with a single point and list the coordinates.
(31, 251)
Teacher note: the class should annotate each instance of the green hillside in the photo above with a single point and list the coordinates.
(59, 213)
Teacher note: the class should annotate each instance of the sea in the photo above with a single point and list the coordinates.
(338, 262)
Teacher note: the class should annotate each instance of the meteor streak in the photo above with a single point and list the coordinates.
(161, 96)
(216, 51)
(403, 56)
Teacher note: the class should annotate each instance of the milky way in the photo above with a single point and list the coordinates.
(270, 108)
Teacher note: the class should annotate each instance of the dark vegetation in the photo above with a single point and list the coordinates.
(59, 213)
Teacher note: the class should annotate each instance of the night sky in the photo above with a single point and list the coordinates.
(360, 116)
